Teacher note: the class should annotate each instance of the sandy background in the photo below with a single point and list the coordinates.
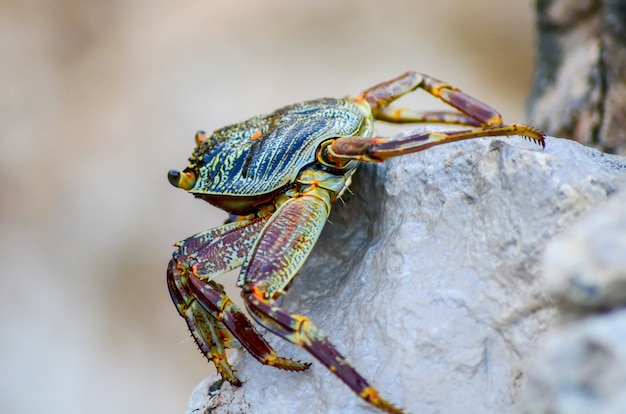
(99, 99)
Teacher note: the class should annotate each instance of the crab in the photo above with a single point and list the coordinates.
(278, 176)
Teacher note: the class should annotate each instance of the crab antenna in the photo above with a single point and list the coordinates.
(185, 180)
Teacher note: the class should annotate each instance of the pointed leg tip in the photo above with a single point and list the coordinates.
(370, 395)
(290, 365)
(387, 407)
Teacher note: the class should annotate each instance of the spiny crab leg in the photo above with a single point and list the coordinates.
(215, 301)
(396, 115)
(486, 121)
(380, 96)
(342, 150)
(301, 331)
(210, 335)
(214, 321)
(283, 245)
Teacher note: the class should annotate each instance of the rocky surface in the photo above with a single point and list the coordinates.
(580, 366)
(586, 265)
(428, 278)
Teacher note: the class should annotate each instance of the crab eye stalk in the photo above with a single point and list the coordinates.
(200, 137)
(185, 180)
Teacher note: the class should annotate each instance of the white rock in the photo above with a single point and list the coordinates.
(580, 368)
(428, 278)
(585, 266)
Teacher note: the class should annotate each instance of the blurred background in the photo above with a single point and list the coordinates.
(98, 100)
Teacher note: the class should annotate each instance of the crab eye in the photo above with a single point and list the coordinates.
(185, 180)
(200, 136)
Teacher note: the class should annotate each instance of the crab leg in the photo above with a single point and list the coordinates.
(216, 302)
(214, 321)
(380, 96)
(283, 246)
(208, 333)
(406, 115)
(485, 120)
(345, 149)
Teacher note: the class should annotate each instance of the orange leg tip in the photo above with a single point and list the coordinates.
(370, 395)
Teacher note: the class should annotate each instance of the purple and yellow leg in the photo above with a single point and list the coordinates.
(205, 329)
(405, 116)
(283, 246)
(380, 96)
(214, 321)
(213, 299)
(486, 121)
(301, 331)
(342, 150)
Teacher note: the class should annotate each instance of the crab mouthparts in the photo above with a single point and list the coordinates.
(185, 180)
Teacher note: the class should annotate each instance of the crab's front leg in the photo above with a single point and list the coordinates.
(214, 321)
(281, 249)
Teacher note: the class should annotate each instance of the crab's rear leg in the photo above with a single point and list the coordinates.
(214, 321)
(405, 116)
(342, 150)
(283, 246)
(473, 111)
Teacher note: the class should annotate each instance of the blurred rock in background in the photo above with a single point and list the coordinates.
(580, 366)
(579, 88)
(100, 99)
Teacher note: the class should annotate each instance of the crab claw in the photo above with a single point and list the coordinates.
(185, 180)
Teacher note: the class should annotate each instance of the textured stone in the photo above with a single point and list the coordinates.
(579, 85)
(580, 368)
(585, 266)
(428, 278)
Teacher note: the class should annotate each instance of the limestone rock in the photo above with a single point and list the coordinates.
(428, 278)
(580, 365)
(585, 266)
(580, 368)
